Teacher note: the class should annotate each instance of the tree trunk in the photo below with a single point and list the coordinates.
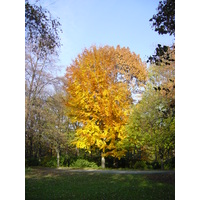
(40, 152)
(162, 164)
(91, 154)
(161, 158)
(102, 162)
(155, 155)
(67, 157)
(115, 163)
(58, 157)
(77, 152)
(31, 146)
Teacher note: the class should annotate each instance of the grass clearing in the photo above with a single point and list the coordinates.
(45, 183)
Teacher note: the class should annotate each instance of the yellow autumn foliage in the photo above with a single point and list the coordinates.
(98, 86)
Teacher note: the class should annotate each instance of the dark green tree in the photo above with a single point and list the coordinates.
(164, 20)
(164, 23)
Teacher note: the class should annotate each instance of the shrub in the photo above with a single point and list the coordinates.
(31, 162)
(170, 164)
(83, 163)
(156, 165)
(149, 165)
(62, 161)
(52, 161)
(49, 162)
(140, 165)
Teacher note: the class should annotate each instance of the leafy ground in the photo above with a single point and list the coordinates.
(45, 183)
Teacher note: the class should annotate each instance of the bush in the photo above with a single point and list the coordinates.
(49, 162)
(31, 162)
(149, 165)
(140, 165)
(81, 163)
(170, 164)
(156, 165)
(52, 161)
(62, 161)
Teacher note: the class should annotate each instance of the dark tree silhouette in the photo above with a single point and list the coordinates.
(164, 23)
(41, 30)
(164, 20)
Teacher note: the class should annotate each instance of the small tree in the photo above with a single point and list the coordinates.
(57, 128)
(38, 80)
(151, 127)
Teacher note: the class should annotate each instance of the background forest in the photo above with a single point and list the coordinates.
(109, 109)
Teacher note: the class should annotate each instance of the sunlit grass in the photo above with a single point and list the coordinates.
(59, 184)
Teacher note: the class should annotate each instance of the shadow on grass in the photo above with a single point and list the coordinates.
(60, 184)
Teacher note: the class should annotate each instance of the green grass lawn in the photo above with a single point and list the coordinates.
(60, 184)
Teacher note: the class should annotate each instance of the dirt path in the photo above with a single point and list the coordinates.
(154, 175)
(65, 170)
(119, 171)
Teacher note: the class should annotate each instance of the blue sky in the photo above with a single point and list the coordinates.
(105, 22)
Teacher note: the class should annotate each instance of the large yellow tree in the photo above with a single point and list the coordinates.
(98, 85)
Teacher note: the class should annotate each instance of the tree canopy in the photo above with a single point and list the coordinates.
(164, 20)
(98, 87)
(151, 127)
(41, 29)
(164, 23)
